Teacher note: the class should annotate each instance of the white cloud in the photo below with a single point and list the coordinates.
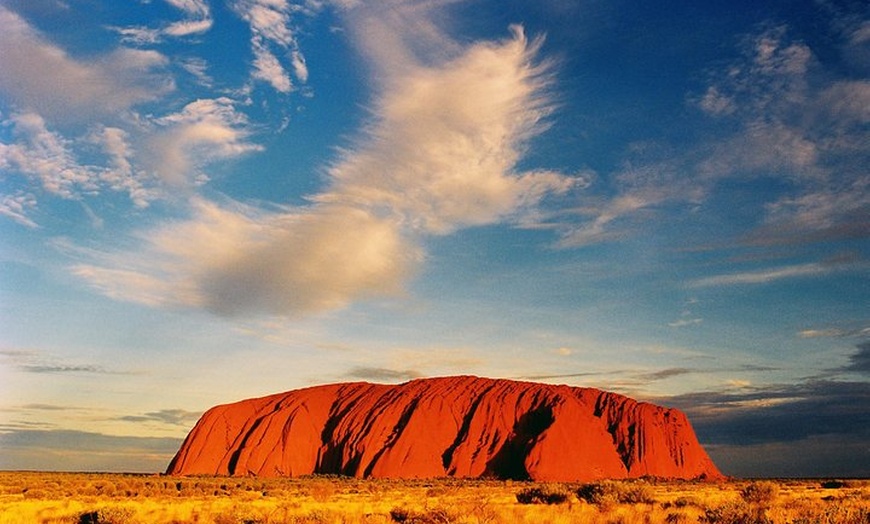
(199, 69)
(139, 35)
(198, 21)
(200, 18)
(300, 68)
(716, 103)
(17, 206)
(397, 34)
(600, 227)
(268, 68)
(269, 21)
(834, 332)
(268, 18)
(172, 149)
(775, 57)
(825, 209)
(47, 157)
(795, 121)
(120, 175)
(233, 261)
(312, 262)
(430, 163)
(41, 77)
(188, 27)
(205, 131)
(764, 148)
(821, 333)
(685, 322)
(641, 188)
(442, 161)
(847, 102)
(197, 8)
(133, 286)
(764, 276)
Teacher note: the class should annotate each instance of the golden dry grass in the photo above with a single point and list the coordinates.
(29, 497)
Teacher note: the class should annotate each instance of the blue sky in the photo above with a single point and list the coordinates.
(209, 200)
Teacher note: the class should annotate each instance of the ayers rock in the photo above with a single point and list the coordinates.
(438, 427)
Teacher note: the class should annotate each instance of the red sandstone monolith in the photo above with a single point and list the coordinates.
(453, 426)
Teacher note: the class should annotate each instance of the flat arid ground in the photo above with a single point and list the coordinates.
(31, 497)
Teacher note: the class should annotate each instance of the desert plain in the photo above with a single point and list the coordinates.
(46, 497)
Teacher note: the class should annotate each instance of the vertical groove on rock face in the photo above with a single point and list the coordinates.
(329, 459)
(509, 461)
(391, 440)
(455, 426)
(462, 435)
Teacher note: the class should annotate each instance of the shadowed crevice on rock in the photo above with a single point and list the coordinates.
(509, 462)
(462, 435)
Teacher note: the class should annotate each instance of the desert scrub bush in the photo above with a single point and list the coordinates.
(735, 513)
(681, 502)
(111, 515)
(610, 493)
(547, 495)
(432, 516)
(760, 493)
(831, 514)
(237, 516)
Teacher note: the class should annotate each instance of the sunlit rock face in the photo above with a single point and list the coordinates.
(445, 427)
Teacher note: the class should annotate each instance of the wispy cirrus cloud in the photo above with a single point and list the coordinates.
(148, 156)
(197, 20)
(141, 161)
(835, 332)
(42, 363)
(559, 376)
(382, 374)
(429, 163)
(763, 276)
(627, 378)
(442, 162)
(46, 156)
(768, 275)
(791, 118)
(18, 207)
(270, 23)
(41, 77)
(61, 368)
(205, 131)
(49, 159)
(665, 374)
(172, 417)
(684, 322)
